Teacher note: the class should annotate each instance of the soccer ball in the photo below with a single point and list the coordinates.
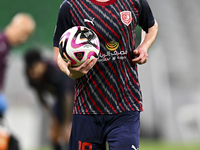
(78, 44)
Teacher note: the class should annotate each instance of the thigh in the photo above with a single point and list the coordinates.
(86, 134)
(124, 132)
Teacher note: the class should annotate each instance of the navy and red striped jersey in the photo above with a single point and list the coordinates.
(112, 85)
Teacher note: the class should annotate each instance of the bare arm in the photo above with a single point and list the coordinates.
(147, 40)
(74, 72)
(61, 63)
(56, 51)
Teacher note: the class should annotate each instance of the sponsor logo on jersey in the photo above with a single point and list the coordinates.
(90, 21)
(112, 45)
(126, 17)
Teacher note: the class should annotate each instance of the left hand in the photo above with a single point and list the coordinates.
(140, 52)
(141, 56)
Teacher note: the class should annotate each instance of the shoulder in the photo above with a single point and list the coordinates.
(143, 3)
(4, 44)
(65, 5)
(64, 10)
(2, 36)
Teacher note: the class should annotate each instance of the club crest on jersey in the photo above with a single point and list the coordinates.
(126, 17)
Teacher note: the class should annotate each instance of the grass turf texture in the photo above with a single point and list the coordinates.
(161, 145)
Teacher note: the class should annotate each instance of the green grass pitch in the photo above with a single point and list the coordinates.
(161, 145)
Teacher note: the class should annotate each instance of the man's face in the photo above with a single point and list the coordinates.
(37, 70)
(20, 29)
(21, 32)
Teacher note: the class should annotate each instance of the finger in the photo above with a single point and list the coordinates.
(141, 59)
(91, 64)
(84, 65)
(69, 64)
(76, 68)
(135, 52)
(141, 62)
(144, 60)
(138, 58)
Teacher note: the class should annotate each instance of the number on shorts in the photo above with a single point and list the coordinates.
(85, 146)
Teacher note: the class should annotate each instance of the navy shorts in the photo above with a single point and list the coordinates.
(91, 132)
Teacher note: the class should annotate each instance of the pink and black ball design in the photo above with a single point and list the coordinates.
(78, 44)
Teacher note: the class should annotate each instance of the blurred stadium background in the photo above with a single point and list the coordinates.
(170, 81)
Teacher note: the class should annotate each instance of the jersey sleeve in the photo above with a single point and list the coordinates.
(146, 18)
(63, 22)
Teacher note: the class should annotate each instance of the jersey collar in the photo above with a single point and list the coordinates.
(103, 3)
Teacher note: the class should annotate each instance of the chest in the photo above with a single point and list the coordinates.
(107, 21)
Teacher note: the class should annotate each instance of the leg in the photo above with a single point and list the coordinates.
(124, 132)
(54, 134)
(86, 133)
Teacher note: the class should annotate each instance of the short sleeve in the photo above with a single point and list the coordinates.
(63, 22)
(146, 18)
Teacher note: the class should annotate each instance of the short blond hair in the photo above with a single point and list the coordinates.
(24, 15)
(21, 26)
